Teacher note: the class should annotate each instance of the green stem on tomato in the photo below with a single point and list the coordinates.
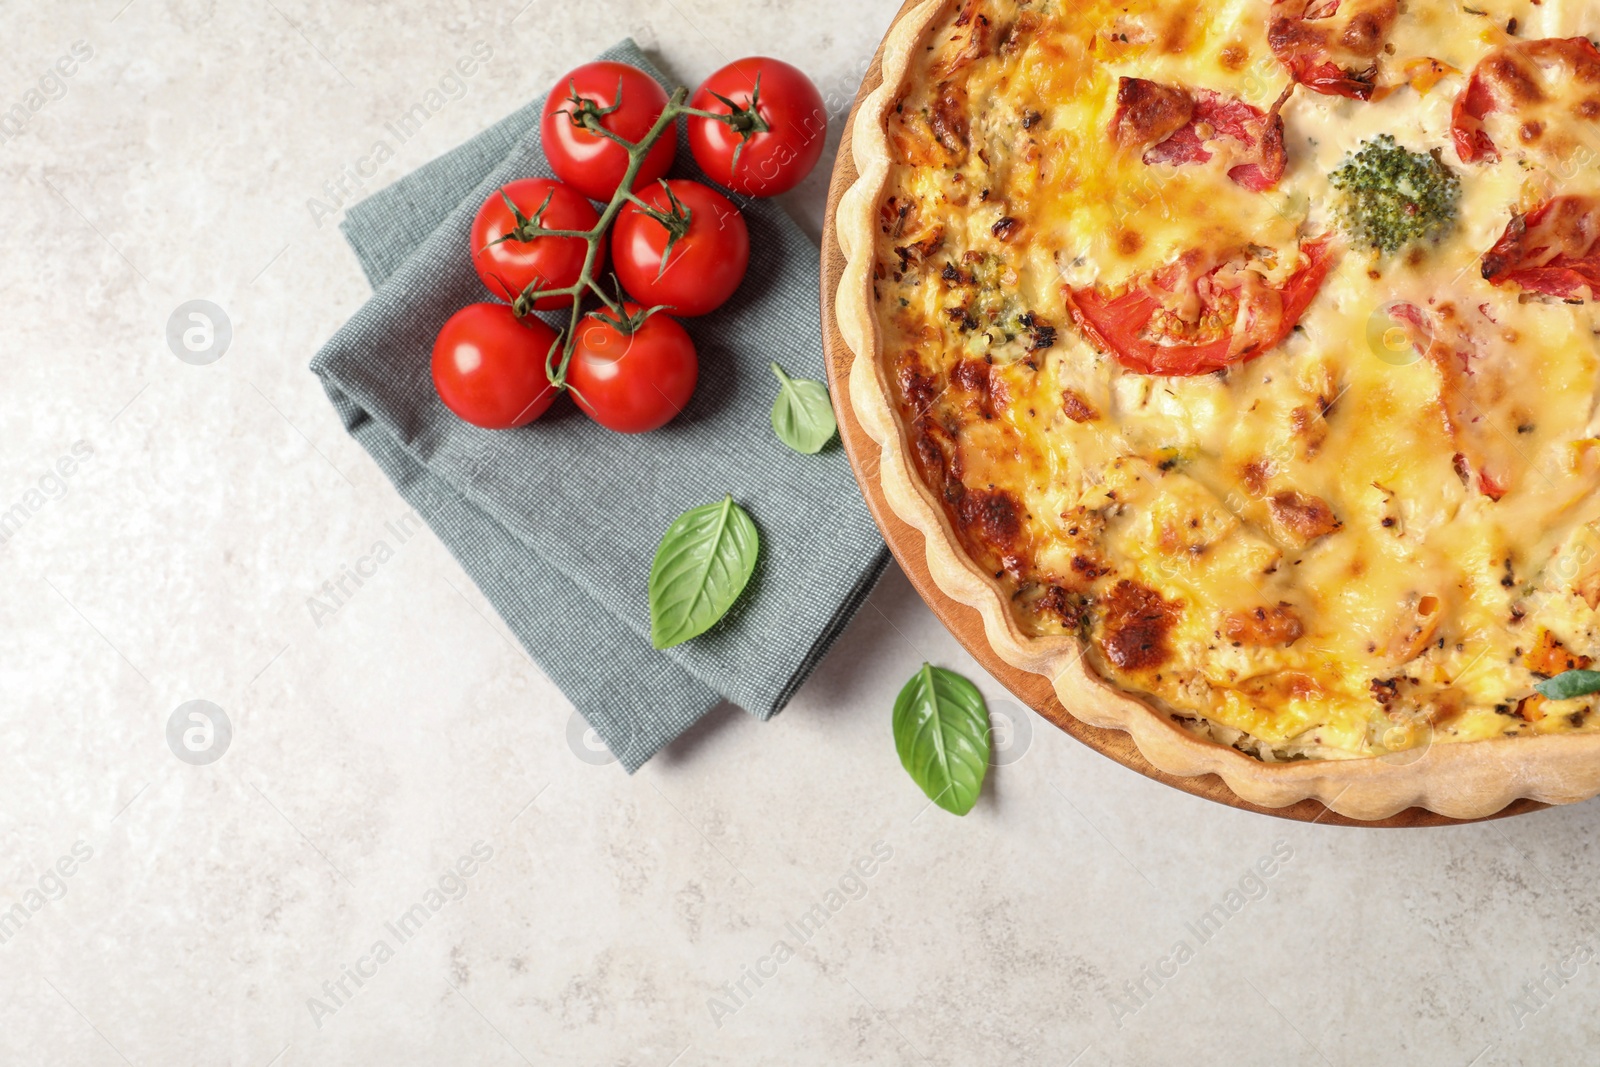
(540, 231)
(565, 290)
(696, 113)
(599, 290)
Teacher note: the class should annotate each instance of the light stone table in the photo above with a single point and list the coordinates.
(409, 853)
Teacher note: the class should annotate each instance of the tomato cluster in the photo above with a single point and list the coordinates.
(756, 127)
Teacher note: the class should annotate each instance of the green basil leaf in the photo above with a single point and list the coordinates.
(702, 565)
(941, 730)
(1569, 684)
(802, 416)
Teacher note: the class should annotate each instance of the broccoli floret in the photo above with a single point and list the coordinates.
(1393, 196)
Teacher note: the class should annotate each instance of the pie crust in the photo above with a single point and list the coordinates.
(1465, 779)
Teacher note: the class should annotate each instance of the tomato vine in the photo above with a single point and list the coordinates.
(584, 113)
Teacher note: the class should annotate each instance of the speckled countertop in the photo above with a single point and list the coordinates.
(407, 854)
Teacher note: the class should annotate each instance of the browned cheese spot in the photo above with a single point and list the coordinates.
(1149, 112)
(1261, 627)
(1302, 516)
(1077, 406)
(991, 516)
(1135, 625)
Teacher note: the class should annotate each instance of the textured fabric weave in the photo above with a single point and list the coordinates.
(557, 522)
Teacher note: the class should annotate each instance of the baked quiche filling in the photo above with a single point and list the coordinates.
(1255, 344)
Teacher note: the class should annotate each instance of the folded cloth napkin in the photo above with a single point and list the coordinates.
(558, 522)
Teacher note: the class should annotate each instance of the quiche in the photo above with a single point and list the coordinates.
(1238, 360)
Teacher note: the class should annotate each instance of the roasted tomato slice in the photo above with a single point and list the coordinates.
(1332, 46)
(1553, 249)
(1472, 398)
(1533, 79)
(1178, 126)
(1177, 323)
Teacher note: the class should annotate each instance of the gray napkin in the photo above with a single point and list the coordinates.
(557, 522)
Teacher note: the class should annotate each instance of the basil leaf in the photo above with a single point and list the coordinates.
(1569, 684)
(941, 730)
(802, 416)
(702, 565)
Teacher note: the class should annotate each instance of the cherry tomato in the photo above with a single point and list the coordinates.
(488, 366)
(707, 259)
(508, 265)
(634, 382)
(781, 133)
(593, 164)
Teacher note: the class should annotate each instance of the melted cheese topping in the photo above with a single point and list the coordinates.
(1299, 555)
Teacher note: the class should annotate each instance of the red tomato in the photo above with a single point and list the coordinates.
(707, 259)
(634, 382)
(1515, 77)
(1257, 153)
(508, 265)
(1331, 51)
(488, 366)
(775, 140)
(589, 162)
(1553, 249)
(1124, 325)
